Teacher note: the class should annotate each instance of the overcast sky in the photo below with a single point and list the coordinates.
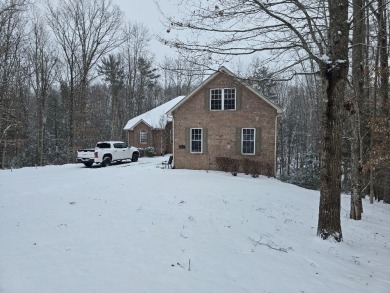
(145, 12)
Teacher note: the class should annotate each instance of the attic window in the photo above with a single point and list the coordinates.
(223, 99)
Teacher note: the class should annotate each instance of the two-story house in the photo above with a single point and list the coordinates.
(223, 117)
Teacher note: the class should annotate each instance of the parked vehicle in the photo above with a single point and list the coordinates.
(107, 152)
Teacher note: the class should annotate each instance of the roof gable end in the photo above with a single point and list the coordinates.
(155, 118)
(223, 70)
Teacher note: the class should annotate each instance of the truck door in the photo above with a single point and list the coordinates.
(126, 151)
(119, 151)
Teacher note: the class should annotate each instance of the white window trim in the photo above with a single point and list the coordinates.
(145, 141)
(242, 142)
(201, 141)
(223, 99)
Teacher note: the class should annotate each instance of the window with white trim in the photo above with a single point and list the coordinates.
(143, 136)
(196, 140)
(248, 141)
(223, 99)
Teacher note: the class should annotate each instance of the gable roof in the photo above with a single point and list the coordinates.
(155, 118)
(228, 72)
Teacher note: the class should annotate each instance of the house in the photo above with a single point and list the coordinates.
(224, 117)
(153, 128)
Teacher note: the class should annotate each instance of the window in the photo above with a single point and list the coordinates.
(216, 99)
(223, 99)
(143, 136)
(170, 136)
(229, 99)
(196, 140)
(248, 141)
(103, 145)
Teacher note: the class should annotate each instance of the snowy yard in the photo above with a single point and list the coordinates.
(137, 228)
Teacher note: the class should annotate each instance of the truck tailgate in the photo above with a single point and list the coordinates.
(85, 154)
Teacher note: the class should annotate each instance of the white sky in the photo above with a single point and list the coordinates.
(146, 12)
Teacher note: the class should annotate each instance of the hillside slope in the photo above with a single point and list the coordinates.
(137, 228)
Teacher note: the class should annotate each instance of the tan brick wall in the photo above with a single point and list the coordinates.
(222, 126)
(157, 138)
(133, 136)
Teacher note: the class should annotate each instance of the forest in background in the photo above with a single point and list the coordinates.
(74, 73)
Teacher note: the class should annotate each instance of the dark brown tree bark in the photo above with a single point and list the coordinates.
(334, 78)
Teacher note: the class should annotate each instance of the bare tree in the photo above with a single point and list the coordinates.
(354, 107)
(377, 72)
(381, 14)
(180, 76)
(86, 30)
(113, 71)
(12, 71)
(43, 60)
(136, 47)
(317, 30)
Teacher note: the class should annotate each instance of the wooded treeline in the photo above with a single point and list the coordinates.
(74, 73)
(365, 112)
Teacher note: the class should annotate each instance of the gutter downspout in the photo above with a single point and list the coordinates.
(276, 141)
(173, 138)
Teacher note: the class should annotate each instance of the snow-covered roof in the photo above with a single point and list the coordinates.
(155, 118)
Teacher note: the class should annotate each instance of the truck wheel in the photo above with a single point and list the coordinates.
(134, 158)
(88, 164)
(106, 162)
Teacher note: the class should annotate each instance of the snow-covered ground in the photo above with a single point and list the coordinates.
(137, 228)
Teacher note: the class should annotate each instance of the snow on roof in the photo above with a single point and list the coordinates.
(155, 118)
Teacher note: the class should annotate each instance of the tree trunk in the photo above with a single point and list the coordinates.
(356, 200)
(330, 188)
(334, 78)
(384, 91)
(354, 107)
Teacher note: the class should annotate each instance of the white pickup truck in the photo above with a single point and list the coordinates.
(106, 152)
